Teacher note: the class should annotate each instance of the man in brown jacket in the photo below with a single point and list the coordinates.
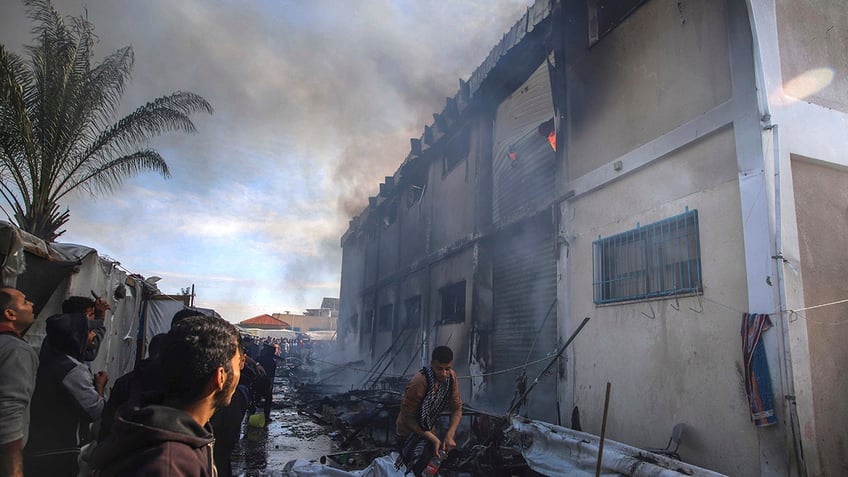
(202, 363)
(429, 392)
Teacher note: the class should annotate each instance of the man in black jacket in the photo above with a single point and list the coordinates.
(95, 312)
(67, 398)
(202, 363)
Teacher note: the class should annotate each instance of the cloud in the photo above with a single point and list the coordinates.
(314, 102)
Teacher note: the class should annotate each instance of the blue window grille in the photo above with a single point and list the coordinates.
(659, 260)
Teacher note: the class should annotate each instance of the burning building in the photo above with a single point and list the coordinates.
(668, 169)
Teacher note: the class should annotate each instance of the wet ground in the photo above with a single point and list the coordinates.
(290, 435)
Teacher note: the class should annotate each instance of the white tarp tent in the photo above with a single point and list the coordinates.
(51, 272)
(160, 311)
(48, 273)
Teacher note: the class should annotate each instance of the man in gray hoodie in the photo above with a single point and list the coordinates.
(171, 435)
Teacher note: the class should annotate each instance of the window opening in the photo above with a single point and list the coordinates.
(655, 261)
(456, 150)
(413, 312)
(384, 319)
(414, 194)
(548, 131)
(390, 212)
(453, 303)
(366, 322)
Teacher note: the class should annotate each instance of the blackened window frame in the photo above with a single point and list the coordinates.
(385, 317)
(452, 301)
(456, 150)
(412, 312)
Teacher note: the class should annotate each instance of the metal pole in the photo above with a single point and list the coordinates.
(603, 432)
(549, 366)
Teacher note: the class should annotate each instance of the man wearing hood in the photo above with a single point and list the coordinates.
(95, 311)
(67, 398)
(171, 435)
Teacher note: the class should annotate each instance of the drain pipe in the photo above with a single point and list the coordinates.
(788, 378)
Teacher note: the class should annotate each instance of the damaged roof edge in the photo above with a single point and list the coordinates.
(468, 91)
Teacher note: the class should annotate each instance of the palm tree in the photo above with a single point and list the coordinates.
(57, 127)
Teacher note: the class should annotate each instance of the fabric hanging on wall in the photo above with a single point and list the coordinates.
(757, 378)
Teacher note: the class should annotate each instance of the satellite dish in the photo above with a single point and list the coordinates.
(152, 280)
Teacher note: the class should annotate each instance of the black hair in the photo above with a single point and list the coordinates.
(442, 354)
(77, 304)
(183, 314)
(192, 353)
(6, 300)
(154, 347)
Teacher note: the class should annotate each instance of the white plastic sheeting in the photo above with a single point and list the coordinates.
(92, 273)
(557, 451)
(381, 467)
(160, 312)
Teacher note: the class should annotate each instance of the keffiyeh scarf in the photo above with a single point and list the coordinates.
(413, 450)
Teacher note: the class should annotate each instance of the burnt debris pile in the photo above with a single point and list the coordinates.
(362, 423)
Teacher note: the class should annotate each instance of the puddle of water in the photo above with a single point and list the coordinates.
(263, 452)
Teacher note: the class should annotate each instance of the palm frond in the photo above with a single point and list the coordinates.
(107, 176)
(57, 121)
(168, 113)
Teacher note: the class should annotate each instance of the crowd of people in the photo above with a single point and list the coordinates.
(200, 376)
(158, 418)
(300, 347)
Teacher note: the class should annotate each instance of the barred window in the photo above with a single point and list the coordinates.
(659, 260)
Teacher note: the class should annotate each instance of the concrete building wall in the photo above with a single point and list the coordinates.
(673, 360)
(412, 218)
(802, 65)
(390, 242)
(308, 322)
(449, 271)
(383, 336)
(649, 75)
(411, 355)
(451, 196)
(352, 275)
(666, 75)
(813, 52)
(692, 104)
(821, 200)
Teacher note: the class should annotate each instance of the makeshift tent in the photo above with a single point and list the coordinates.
(48, 273)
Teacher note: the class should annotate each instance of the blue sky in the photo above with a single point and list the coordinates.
(315, 102)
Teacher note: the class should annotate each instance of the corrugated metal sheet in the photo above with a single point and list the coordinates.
(535, 14)
(523, 289)
(523, 162)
